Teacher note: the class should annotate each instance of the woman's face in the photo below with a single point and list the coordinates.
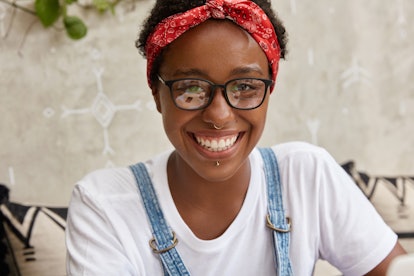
(218, 51)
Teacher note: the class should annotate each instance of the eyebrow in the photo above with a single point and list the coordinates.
(189, 72)
(236, 71)
(247, 69)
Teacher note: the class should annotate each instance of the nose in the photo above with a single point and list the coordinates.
(218, 112)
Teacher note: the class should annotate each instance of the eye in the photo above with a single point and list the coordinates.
(190, 93)
(241, 87)
(245, 88)
(193, 89)
(189, 86)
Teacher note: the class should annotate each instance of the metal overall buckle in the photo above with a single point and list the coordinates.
(153, 245)
(271, 226)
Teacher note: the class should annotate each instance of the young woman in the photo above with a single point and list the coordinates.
(217, 205)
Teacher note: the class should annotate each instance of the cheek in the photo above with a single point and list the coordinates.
(172, 127)
(258, 117)
(170, 117)
(174, 119)
(166, 106)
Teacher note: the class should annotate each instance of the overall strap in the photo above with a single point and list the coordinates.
(276, 215)
(164, 240)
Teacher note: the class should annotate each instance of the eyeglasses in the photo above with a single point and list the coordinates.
(195, 94)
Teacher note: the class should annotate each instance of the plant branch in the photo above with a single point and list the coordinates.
(13, 4)
(20, 53)
(10, 23)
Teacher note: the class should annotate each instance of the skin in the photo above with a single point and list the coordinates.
(207, 196)
(381, 268)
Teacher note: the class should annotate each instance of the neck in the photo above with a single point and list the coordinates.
(208, 207)
(185, 182)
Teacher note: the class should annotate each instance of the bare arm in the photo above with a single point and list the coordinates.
(381, 268)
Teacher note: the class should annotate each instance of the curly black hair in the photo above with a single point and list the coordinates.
(165, 8)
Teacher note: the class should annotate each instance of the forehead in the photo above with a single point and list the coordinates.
(215, 48)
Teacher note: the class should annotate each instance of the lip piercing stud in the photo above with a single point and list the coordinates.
(216, 127)
(217, 163)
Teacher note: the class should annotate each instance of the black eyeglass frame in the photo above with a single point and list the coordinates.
(213, 87)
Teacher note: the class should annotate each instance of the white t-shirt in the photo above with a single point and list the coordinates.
(108, 232)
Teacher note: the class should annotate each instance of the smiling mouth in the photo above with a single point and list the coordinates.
(217, 144)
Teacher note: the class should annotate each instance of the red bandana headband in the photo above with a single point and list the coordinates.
(244, 13)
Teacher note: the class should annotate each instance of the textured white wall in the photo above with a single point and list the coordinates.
(69, 107)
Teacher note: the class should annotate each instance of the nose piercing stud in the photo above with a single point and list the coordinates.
(216, 127)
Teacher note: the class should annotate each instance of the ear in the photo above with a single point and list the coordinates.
(156, 95)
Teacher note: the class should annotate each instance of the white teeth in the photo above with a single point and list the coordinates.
(217, 144)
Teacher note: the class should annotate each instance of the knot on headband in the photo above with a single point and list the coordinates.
(216, 8)
(247, 14)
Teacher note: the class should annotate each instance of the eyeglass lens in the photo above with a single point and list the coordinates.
(196, 94)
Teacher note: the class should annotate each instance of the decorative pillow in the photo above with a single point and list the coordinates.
(32, 237)
(392, 196)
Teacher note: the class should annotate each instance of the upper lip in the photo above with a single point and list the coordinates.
(216, 134)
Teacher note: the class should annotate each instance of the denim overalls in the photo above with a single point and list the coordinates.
(164, 240)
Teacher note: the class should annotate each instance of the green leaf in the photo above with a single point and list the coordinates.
(48, 11)
(102, 5)
(75, 27)
(112, 9)
(70, 1)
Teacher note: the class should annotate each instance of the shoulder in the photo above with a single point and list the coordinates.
(118, 181)
(310, 168)
(295, 150)
(303, 157)
(108, 182)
